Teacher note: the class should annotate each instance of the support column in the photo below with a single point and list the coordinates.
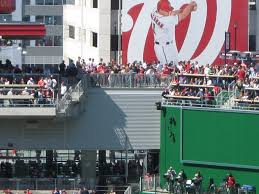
(88, 168)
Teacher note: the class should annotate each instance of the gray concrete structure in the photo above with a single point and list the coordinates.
(39, 54)
(114, 119)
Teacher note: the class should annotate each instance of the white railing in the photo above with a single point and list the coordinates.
(128, 190)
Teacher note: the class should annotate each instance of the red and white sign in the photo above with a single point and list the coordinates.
(7, 6)
(199, 37)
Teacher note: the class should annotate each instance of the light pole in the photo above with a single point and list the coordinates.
(235, 33)
(115, 33)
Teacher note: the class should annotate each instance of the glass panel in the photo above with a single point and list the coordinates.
(39, 19)
(58, 41)
(49, 41)
(57, 2)
(48, 2)
(39, 2)
(58, 20)
(49, 20)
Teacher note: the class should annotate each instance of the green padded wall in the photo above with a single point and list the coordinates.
(221, 138)
(214, 132)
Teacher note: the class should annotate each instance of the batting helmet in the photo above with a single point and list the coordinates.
(164, 5)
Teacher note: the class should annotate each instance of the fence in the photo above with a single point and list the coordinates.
(39, 183)
(149, 183)
(131, 80)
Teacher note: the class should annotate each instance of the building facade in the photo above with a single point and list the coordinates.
(91, 30)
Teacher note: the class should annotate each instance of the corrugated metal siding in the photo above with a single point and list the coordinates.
(113, 116)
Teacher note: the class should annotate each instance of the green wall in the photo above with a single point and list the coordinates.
(210, 141)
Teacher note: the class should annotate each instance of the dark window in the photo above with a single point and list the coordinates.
(27, 2)
(95, 3)
(58, 41)
(39, 42)
(57, 2)
(49, 41)
(5, 18)
(40, 19)
(115, 4)
(58, 20)
(72, 32)
(95, 39)
(252, 4)
(26, 42)
(39, 2)
(26, 18)
(252, 42)
(114, 42)
(48, 2)
(49, 20)
(69, 2)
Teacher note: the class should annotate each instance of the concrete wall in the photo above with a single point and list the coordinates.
(86, 20)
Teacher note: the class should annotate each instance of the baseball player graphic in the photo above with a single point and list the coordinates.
(164, 20)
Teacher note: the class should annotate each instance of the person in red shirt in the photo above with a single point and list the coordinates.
(166, 71)
(230, 182)
(241, 73)
(187, 67)
(101, 68)
(41, 82)
(27, 191)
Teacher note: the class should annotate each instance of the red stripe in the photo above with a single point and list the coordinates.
(209, 27)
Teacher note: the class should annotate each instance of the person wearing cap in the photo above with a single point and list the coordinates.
(197, 182)
(164, 20)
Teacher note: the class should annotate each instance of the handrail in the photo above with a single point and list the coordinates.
(128, 190)
(73, 93)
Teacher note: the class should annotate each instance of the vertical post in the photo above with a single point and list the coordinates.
(126, 161)
(154, 183)
(140, 184)
(115, 33)
(36, 184)
(119, 32)
(235, 33)
(227, 45)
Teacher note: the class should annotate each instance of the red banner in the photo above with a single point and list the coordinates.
(7, 6)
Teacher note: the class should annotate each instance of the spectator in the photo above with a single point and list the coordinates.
(63, 89)
(27, 191)
(25, 91)
(30, 81)
(62, 68)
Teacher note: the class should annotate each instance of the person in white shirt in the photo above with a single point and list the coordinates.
(207, 70)
(30, 81)
(25, 91)
(63, 89)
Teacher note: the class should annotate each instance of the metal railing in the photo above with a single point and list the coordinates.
(39, 183)
(130, 80)
(128, 190)
(149, 183)
(73, 94)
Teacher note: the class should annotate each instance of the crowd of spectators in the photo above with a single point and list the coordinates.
(207, 81)
(186, 78)
(30, 81)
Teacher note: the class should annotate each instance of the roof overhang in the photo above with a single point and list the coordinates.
(22, 30)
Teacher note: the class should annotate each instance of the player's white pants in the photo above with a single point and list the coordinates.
(166, 53)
